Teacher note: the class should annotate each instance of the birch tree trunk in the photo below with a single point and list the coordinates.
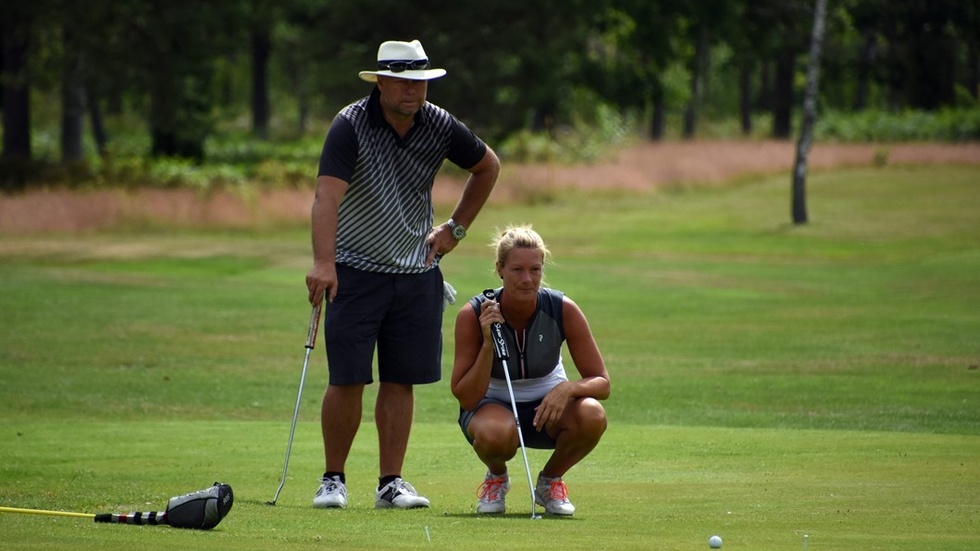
(799, 210)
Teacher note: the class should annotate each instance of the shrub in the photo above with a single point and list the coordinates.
(947, 125)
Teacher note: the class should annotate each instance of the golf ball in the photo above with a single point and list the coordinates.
(714, 542)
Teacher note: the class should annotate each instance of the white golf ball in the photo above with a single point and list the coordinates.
(714, 542)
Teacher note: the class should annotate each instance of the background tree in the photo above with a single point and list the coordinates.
(16, 31)
(756, 34)
(510, 62)
(179, 72)
(296, 36)
(787, 23)
(916, 52)
(176, 69)
(631, 43)
(809, 115)
(705, 24)
(262, 16)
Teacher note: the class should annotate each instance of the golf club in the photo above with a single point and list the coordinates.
(200, 510)
(310, 343)
(500, 349)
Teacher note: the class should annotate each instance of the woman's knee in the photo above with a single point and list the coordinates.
(494, 436)
(591, 417)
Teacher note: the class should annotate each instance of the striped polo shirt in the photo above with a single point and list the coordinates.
(387, 211)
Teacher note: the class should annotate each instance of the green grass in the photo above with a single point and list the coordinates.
(769, 381)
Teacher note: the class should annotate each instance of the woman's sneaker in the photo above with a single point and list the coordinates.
(493, 494)
(552, 494)
(398, 494)
(332, 493)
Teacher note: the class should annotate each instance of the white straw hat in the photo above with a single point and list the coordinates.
(402, 60)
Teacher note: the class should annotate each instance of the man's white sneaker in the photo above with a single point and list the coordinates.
(493, 494)
(398, 494)
(552, 494)
(332, 493)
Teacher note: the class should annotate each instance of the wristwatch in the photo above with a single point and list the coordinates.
(459, 232)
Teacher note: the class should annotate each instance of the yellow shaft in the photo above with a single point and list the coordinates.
(43, 512)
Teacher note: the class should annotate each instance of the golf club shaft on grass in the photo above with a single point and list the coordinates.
(152, 518)
(500, 349)
(310, 344)
(200, 510)
(43, 512)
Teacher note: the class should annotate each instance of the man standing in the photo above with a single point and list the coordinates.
(376, 259)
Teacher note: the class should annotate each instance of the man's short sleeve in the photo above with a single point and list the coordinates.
(465, 148)
(339, 155)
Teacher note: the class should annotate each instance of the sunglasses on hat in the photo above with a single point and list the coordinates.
(401, 65)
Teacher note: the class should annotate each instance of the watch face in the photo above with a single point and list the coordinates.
(459, 232)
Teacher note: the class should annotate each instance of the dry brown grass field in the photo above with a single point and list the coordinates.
(638, 167)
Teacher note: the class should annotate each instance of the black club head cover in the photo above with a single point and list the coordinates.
(201, 510)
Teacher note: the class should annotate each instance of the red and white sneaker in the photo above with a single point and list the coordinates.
(552, 494)
(493, 495)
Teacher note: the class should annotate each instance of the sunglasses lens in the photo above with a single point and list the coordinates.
(400, 66)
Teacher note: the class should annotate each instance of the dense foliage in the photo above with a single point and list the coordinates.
(553, 78)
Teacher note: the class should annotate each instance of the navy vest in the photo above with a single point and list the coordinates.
(543, 338)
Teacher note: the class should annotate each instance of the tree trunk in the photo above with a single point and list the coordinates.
(658, 123)
(114, 101)
(973, 70)
(174, 127)
(72, 100)
(98, 128)
(764, 101)
(799, 210)
(745, 97)
(698, 70)
(302, 102)
(16, 92)
(179, 111)
(658, 120)
(782, 116)
(543, 117)
(866, 60)
(930, 65)
(261, 47)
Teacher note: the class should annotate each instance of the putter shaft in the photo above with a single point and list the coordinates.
(500, 349)
(310, 344)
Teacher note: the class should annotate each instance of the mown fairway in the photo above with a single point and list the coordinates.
(769, 381)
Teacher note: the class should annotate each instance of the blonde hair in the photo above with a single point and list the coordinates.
(519, 237)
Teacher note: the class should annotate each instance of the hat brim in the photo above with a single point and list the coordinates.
(426, 74)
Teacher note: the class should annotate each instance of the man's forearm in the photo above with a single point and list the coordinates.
(324, 234)
(478, 187)
(324, 220)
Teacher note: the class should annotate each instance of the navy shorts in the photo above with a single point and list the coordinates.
(399, 315)
(533, 438)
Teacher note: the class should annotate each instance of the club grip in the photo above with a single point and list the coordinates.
(314, 326)
(497, 333)
(151, 518)
(499, 344)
